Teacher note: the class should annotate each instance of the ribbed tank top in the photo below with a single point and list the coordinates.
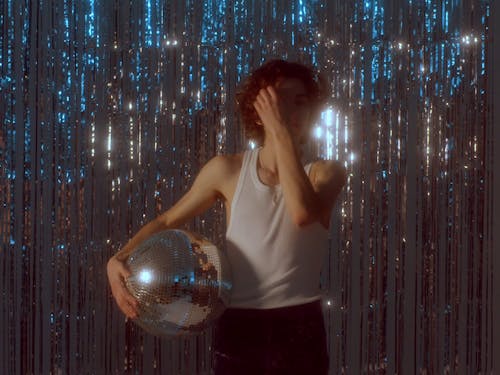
(274, 263)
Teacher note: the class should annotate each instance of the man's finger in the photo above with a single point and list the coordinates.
(261, 100)
(128, 311)
(264, 94)
(126, 308)
(124, 271)
(126, 295)
(272, 93)
(258, 109)
(123, 296)
(130, 299)
(132, 312)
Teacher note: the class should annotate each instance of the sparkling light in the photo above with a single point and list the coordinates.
(318, 131)
(145, 276)
(328, 115)
(331, 133)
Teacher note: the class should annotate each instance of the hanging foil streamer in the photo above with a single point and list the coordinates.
(109, 109)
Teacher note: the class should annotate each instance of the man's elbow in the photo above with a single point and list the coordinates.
(304, 219)
(309, 215)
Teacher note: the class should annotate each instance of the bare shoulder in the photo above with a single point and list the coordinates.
(224, 171)
(325, 170)
(225, 165)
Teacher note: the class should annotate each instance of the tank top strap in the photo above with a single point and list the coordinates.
(243, 177)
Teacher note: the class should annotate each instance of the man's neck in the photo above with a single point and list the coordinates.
(267, 160)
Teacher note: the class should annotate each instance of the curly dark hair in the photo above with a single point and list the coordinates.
(268, 74)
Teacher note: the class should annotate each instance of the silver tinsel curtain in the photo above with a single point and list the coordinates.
(110, 108)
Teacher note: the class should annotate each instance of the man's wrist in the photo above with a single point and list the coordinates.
(280, 131)
(122, 255)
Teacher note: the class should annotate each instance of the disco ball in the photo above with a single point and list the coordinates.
(181, 281)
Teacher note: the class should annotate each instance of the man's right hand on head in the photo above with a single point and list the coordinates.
(117, 274)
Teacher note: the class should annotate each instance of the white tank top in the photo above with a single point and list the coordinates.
(274, 263)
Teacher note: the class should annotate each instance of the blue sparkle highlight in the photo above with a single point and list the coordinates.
(90, 20)
(148, 26)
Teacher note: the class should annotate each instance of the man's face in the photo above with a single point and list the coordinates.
(296, 105)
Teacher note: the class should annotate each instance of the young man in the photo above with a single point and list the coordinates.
(278, 214)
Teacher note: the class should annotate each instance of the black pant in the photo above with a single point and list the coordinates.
(286, 340)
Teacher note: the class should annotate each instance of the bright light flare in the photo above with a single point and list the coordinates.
(145, 276)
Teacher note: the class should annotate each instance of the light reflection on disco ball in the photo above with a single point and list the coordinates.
(181, 281)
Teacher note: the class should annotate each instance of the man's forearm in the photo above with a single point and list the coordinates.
(300, 198)
(145, 232)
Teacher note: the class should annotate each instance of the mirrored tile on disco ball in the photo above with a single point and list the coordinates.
(181, 281)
